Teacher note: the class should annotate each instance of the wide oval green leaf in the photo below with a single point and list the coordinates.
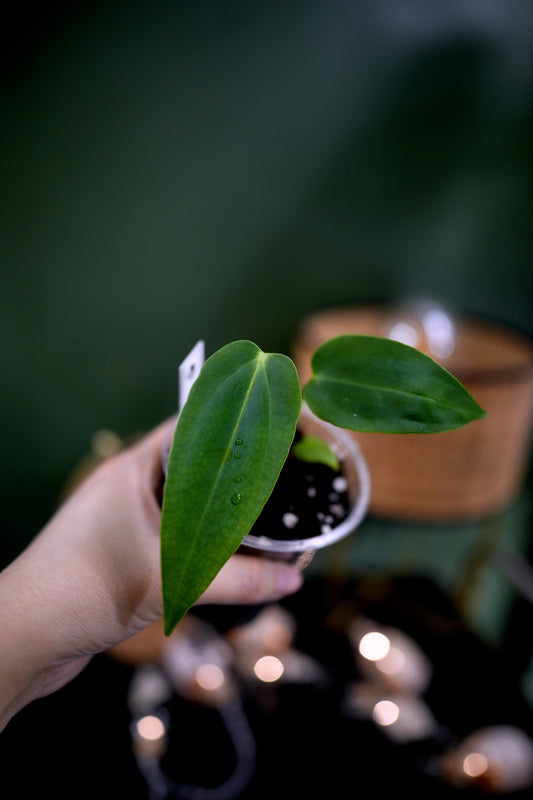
(377, 385)
(231, 441)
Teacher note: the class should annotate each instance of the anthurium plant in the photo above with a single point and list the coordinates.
(237, 426)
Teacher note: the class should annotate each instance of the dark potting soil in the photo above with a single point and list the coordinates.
(308, 499)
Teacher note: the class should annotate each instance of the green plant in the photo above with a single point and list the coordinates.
(237, 427)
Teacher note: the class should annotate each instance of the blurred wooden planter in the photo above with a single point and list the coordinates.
(472, 472)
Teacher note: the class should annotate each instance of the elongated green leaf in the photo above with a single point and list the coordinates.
(232, 438)
(371, 384)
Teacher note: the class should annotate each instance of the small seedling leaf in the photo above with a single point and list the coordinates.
(312, 449)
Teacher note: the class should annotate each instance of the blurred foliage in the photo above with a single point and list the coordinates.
(177, 170)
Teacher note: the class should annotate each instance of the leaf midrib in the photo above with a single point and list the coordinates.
(206, 506)
(322, 379)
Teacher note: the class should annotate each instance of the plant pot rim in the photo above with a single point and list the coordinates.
(357, 510)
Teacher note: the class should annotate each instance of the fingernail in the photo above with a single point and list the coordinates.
(289, 580)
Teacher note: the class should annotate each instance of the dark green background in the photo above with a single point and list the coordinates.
(177, 170)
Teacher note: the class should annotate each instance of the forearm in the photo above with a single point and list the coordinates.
(26, 651)
(50, 622)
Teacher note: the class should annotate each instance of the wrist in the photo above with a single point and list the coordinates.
(23, 661)
(38, 650)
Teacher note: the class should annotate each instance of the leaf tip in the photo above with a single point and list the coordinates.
(171, 621)
(481, 412)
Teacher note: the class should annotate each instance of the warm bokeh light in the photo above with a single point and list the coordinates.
(209, 676)
(440, 332)
(385, 712)
(404, 333)
(268, 669)
(475, 764)
(151, 728)
(105, 443)
(392, 663)
(374, 646)
(276, 634)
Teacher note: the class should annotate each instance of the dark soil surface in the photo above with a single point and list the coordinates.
(307, 500)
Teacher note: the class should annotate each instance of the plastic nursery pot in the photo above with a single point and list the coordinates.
(353, 473)
(333, 522)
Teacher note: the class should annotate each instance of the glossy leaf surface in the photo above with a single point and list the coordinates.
(232, 438)
(376, 385)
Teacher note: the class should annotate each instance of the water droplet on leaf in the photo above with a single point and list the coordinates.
(236, 498)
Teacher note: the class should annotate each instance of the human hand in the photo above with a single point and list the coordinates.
(92, 577)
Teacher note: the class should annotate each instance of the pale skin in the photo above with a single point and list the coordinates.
(91, 578)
